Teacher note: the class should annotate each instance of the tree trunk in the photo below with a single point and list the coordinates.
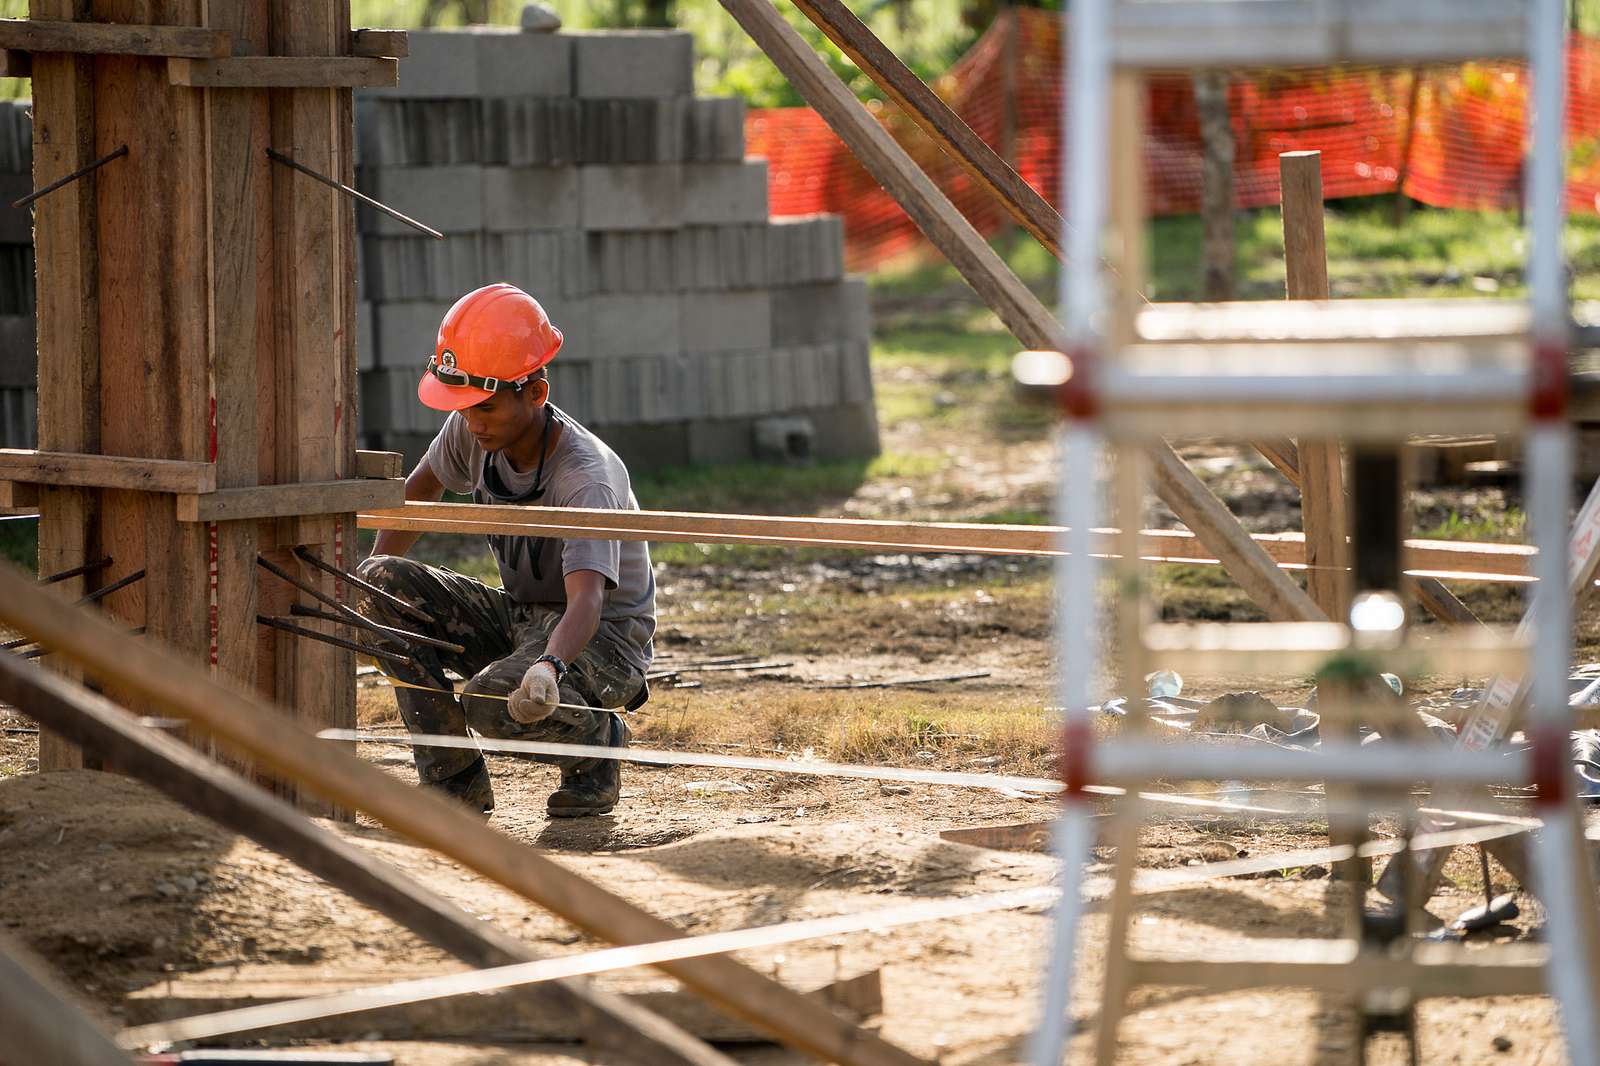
(1216, 201)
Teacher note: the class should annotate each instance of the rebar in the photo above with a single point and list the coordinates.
(82, 171)
(306, 555)
(279, 157)
(402, 636)
(328, 638)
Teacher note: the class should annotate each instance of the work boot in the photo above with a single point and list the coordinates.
(594, 785)
(470, 785)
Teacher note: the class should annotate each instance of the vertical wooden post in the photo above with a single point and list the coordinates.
(68, 318)
(1323, 513)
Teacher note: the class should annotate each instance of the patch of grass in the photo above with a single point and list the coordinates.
(876, 727)
(1510, 525)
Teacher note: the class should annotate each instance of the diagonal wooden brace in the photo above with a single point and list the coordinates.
(1018, 308)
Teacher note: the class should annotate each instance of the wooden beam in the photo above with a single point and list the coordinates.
(1323, 514)
(935, 118)
(40, 1020)
(106, 471)
(379, 44)
(184, 775)
(285, 72)
(290, 501)
(242, 720)
(102, 38)
(380, 464)
(1459, 558)
(997, 286)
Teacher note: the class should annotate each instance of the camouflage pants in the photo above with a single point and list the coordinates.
(502, 638)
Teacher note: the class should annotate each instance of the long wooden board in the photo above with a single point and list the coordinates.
(1017, 307)
(1488, 562)
(241, 719)
(106, 471)
(285, 72)
(48, 35)
(41, 1023)
(284, 501)
(184, 775)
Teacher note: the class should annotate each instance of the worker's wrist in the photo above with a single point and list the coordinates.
(557, 667)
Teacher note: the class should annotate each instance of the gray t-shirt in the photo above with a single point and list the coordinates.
(580, 472)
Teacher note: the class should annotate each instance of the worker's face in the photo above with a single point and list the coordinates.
(506, 416)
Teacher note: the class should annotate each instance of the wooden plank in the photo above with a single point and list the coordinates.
(380, 464)
(106, 471)
(379, 43)
(243, 720)
(935, 118)
(101, 38)
(1458, 558)
(154, 323)
(285, 72)
(67, 313)
(1017, 307)
(19, 496)
(1336, 965)
(189, 778)
(1322, 497)
(290, 501)
(1334, 321)
(41, 1022)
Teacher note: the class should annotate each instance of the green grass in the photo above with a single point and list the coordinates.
(1508, 526)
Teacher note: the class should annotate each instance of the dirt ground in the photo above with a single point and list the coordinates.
(130, 896)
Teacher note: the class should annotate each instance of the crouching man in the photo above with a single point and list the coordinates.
(569, 632)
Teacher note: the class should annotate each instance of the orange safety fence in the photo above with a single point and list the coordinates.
(1448, 135)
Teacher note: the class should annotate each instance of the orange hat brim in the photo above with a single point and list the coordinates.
(441, 397)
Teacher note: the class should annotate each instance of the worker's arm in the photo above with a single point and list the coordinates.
(537, 696)
(422, 484)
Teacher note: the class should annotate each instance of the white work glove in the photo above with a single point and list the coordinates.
(535, 699)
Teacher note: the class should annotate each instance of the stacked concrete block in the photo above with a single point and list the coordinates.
(18, 352)
(581, 167)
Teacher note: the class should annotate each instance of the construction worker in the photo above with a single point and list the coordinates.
(573, 621)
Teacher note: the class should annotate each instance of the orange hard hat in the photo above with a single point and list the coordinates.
(492, 339)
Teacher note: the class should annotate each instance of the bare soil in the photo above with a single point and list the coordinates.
(122, 891)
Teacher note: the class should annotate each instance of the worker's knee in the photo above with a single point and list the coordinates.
(388, 572)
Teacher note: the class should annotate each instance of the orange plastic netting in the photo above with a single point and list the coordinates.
(1450, 136)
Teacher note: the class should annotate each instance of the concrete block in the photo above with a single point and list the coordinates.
(726, 321)
(615, 132)
(855, 372)
(784, 439)
(724, 257)
(548, 263)
(711, 130)
(631, 197)
(634, 261)
(448, 198)
(816, 314)
(635, 325)
(16, 279)
(805, 250)
(16, 137)
(442, 65)
(18, 352)
(397, 269)
(620, 64)
(720, 441)
(573, 317)
(572, 388)
(366, 343)
(19, 409)
(724, 192)
(529, 198)
(845, 431)
(16, 223)
(406, 333)
(529, 131)
(649, 447)
(512, 63)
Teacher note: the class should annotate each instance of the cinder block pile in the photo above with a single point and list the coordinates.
(581, 167)
(18, 364)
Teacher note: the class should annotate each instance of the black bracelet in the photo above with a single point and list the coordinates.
(561, 667)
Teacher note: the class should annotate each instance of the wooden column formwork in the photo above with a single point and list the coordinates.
(196, 303)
